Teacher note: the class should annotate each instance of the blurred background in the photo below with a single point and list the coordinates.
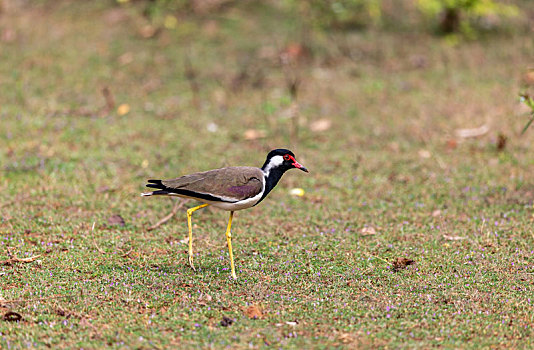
(98, 96)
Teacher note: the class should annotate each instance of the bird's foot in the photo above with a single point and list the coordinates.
(191, 263)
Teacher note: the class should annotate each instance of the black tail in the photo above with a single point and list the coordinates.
(156, 184)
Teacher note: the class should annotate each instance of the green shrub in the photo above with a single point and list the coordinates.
(466, 16)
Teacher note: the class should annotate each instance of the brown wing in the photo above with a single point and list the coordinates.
(236, 183)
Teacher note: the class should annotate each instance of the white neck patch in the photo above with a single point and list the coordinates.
(274, 162)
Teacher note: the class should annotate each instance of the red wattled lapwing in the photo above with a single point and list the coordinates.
(232, 188)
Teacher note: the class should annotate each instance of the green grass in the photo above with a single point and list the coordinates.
(391, 160)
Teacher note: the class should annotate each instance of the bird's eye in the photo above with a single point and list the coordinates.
(286, 157)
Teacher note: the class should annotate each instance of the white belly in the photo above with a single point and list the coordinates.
(244, 204)
(238, 205)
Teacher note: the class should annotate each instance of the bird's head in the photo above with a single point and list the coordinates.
(282, 159)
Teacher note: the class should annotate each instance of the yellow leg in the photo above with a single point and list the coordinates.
(229, 240)
(189, 214)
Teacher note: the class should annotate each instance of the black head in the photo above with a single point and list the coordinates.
(282, 159)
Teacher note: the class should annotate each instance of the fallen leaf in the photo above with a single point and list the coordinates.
(436, 213)
(212, 127)
(321, 125)
(298, 192)
(254, 311)
(501, 142)
(170, 22)
(204, 299)
(116, 220)
(226, 321)
(401, 263)
(423, 153)
(451, 144)
(126, 58)
(453, 238)
(368, 231)
(12, 316)
(148, 31)
(61, 312)
(253, 134)
(123, 109)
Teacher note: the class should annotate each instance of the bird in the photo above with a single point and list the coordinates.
(231, 189)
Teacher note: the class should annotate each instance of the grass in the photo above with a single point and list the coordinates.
(462, 209)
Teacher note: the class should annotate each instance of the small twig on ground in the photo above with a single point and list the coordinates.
(472, 132)
(94, 241)
(14, 259)
(124, 255)
(379, 258)
(175, 208)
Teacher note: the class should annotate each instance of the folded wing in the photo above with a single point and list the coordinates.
(231, 184)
